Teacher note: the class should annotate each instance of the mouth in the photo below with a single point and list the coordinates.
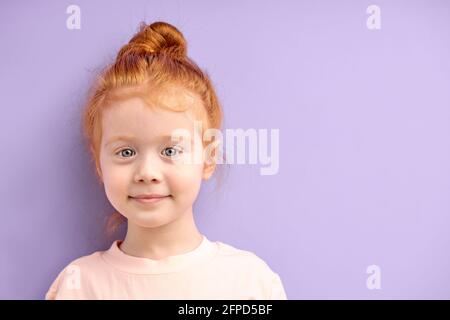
(149, 200)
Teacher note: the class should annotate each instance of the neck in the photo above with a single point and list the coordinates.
(174, 238)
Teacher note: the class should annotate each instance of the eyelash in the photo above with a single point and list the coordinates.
(180, 150)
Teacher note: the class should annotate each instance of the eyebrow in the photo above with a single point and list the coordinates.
(129, 138)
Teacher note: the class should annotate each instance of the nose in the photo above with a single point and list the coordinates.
(149, 169)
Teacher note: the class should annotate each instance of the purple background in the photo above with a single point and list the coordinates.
(363, 115)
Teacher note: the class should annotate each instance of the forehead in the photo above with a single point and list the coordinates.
(136, 117)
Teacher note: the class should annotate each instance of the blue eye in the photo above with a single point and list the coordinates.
(168, 152)
(172, 152)
(126, 149)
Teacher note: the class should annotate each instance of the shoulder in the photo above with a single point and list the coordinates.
(243, 257)
(74, 280)
(227, 251)
(86, 265)
(252, 268)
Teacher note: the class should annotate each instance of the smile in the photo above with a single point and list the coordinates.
(152, 200)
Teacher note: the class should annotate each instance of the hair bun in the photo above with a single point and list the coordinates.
(158, 37)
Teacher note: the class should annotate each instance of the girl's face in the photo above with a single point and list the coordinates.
(146, 160)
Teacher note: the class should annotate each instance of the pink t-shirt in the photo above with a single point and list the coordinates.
(214, 270)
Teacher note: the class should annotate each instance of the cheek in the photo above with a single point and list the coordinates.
(186, 179)
(115, 179)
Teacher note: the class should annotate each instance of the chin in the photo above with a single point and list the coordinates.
(149, 222)
(152, 225)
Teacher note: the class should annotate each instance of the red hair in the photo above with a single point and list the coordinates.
(153, 60)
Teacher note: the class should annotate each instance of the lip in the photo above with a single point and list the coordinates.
(149, 198)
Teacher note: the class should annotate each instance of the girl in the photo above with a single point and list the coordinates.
(150, 92)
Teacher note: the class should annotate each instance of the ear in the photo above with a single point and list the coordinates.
(99, 175)
(208, 171)
(210, 152)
